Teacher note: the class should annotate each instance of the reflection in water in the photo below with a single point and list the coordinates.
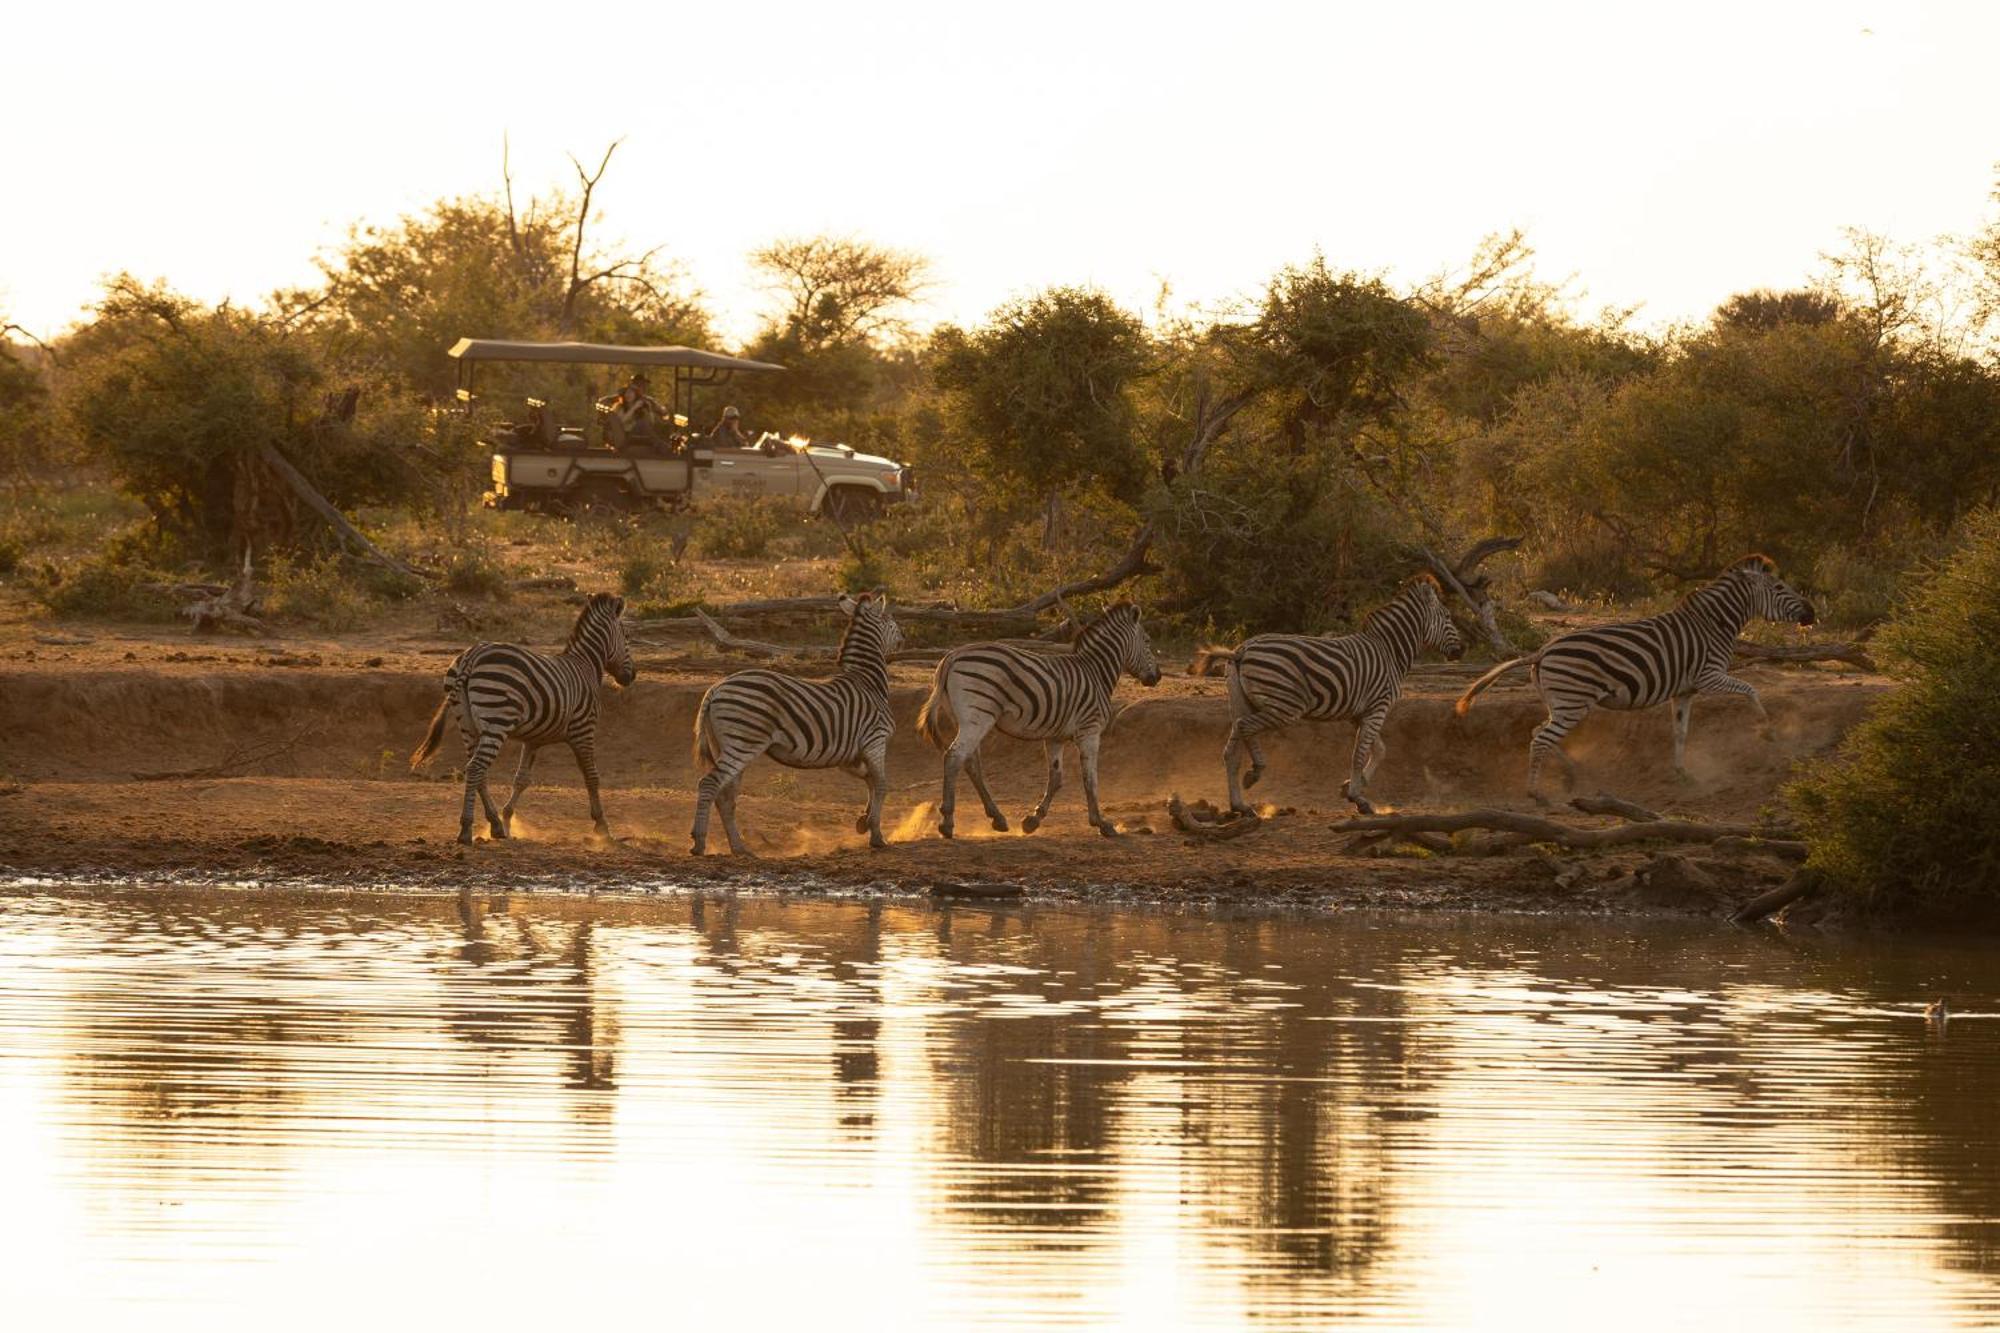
(251, 1107)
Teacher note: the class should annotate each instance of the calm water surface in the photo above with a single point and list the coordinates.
(261, 1110)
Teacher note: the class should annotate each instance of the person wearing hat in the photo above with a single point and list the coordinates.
(638, 412)
(729, 430)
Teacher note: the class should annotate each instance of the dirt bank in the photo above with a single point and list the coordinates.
(299, 771)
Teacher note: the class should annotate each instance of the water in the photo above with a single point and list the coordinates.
(252, 1110)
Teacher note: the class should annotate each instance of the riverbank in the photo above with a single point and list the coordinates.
(161, 762)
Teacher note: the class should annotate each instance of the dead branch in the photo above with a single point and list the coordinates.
(1548, 601)
(1852, 653)
(1606, 804)
(577, 282)
(1804, 883)
(238, 758)
(1202, 820)
(1462, 580)
(751, 647)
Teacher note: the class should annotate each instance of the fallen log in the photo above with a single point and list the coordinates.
(320, 505)
(1803, 884)
(1534, 828)
(233, 608)
(987, 889)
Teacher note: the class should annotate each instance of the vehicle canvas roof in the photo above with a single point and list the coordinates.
(601, 354)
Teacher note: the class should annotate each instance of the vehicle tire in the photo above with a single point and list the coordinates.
(851, 506)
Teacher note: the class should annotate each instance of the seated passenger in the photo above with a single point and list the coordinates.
(729, 430)
(638, 413)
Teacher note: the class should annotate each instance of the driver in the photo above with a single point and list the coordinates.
(729, 430)
(638, 411)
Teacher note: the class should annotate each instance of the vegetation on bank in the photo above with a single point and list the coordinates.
(1906, 816)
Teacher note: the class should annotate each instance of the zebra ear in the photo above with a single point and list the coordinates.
(849, 604)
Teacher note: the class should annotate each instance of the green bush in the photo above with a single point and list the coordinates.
(326, 592)
(740, 529)
(1903, 817)
(107, 588)
(10, 556)
(473, 572)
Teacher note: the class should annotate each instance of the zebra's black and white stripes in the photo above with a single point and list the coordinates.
(1644, 662)
(843, 722)
(502, 691)
(1034, 695)
(1276, 680)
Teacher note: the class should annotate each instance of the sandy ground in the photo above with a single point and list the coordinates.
(293, 763)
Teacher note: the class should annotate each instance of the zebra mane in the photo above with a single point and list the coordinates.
(595, 603)
(1116, 614)
(1762, 564)
(1409, 585)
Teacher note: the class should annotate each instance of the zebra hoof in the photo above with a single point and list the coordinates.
(861, 823)
(944, 829)
(1108, 829)
(698, 847)
(1000, 824)
(1362, 804)
(1255, 772)
(1031, 823)
(465, 836)
(878, 843)
(1242, 808)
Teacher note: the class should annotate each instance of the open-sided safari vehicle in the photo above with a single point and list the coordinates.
(539, 464)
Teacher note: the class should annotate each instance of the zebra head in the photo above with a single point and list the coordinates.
(599, 634)
(1437, 627)
(1120, 628)
(1770, 596)
(869, 623)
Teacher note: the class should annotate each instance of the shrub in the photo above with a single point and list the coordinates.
(107, 588)
(10, 555)
(739, 529)
(1902, 818)
(473, 572)
(324, 592)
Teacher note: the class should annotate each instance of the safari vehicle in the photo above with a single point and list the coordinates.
(541, 465)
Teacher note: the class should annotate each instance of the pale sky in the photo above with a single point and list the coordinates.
(1667, 155)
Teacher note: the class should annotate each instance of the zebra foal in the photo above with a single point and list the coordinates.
(503, 690)
(843, 722)
(1276, 680)
(1030, 695)
(1640, 663)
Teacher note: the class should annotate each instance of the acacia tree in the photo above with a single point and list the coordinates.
(838, 324)
(1043, 392)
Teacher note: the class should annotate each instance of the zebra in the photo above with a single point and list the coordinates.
(503, 690)
(1639, 663)
(841, 723)
(1032, 695)
(1276, 680)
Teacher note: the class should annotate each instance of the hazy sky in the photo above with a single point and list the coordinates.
(1668, 154)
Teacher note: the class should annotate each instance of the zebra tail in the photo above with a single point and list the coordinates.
(1464, 704)
(1206, 659)
(930, 718)
(704, 754)
(434, 737)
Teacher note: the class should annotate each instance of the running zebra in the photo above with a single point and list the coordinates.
(840, 723)
(1276, 680)
(1644, 662)
(1037, 696)
(503, 690)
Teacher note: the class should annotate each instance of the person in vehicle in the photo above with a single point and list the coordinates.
(729, 430)
(639, 413)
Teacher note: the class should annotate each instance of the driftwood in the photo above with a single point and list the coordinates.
(1854, 653)
(1548, 601)
(1803, 883)
(1202, 820)
(1534, 828)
